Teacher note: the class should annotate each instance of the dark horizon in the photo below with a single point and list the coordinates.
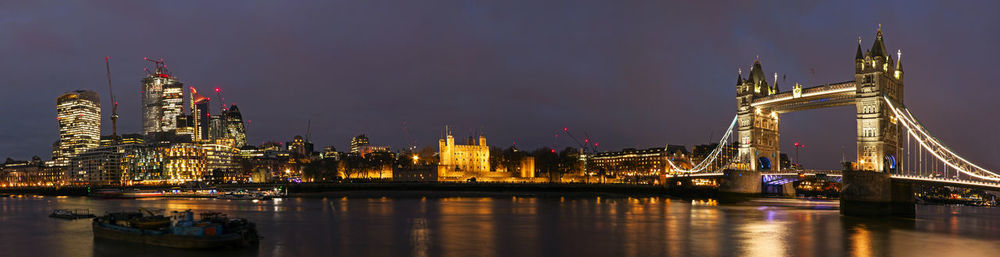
(631, 75)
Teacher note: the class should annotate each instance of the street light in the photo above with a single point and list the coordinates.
(415, 158)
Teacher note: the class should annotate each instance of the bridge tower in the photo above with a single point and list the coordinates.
(868, 189)
(757, 127)
(879, 133)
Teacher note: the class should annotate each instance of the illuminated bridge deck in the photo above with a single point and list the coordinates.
(830, 95)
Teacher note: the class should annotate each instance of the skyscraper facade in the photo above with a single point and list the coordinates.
(234, 126)
(357, 142)
(216, 127)
(200, 115)
(162, 100)
(79, 116)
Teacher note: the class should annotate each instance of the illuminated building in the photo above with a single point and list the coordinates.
(526, 168)
(221, 160)
(199, 114)
(632, 162)
(271, 146)
(474, 156)
(369, 149)
(330, 152)
(124, 139)
(141, 164)
(185, 126)
(216, 127)
(162, 100)
(357, 142)
(183, 162)
(248, 152)
(465, 162)
(79, 117)
(130, 162)
(99, 166)
(415, 173)
(300, 147)
(235, 128)
(170, 161)
(30, 173)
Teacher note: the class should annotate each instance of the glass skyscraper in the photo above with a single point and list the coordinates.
(162, 100)
(79, 116)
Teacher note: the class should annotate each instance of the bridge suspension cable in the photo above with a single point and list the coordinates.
(934, 147)
(713, 156)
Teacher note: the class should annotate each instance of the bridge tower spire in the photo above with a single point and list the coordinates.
(878, 132)
(868, 189)
(757, 127)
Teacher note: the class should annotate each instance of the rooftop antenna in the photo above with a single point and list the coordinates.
(114, 104)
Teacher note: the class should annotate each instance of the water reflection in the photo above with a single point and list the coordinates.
(520, 226)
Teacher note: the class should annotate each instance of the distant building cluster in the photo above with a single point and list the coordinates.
(193, 141)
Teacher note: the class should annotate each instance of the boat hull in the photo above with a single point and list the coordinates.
(166, 239)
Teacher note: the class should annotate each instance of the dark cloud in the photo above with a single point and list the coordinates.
(630, 73)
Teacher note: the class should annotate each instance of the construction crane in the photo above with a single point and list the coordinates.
(585, 145)
(586, 148)
(222, 101)
(309, 124)
(412, 143)
(160, 67)
(114, 104)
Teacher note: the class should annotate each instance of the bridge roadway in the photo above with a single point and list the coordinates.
(922, 180)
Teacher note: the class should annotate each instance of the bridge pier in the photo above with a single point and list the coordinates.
(738, 184)
(788, 189)
(874, 194)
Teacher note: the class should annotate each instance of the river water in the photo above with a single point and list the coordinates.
(410, 225)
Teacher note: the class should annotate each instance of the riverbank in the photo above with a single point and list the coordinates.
(428, 189)
(473, 190)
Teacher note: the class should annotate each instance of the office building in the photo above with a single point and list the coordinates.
(162, 100)
(79, 117)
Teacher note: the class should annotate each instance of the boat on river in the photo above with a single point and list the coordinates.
(71, 214)
(180, 230)
(244, 196)
(126, 194)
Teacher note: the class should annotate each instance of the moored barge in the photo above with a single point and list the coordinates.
(180, 230)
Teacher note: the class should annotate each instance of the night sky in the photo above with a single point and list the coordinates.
(630, 73)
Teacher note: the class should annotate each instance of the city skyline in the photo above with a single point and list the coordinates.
(524, 99)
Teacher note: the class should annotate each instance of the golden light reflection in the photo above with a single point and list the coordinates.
(764, 238)
(861, 239)
(420, 239)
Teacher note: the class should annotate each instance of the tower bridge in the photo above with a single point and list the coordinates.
(894, 151)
